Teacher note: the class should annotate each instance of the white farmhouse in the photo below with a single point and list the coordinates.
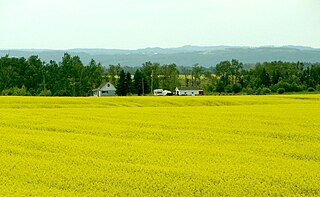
(105, 89)
(188, 91)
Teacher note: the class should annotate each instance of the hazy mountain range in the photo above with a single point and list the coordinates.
(187, 55)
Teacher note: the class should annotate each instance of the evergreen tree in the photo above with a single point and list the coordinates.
(139, 84)
(121, 87)
(128, 83)
(265, 78)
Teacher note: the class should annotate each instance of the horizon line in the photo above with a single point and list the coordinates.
(201, 46)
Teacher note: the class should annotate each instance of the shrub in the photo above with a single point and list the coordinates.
(265, 91)
(280, 90)
(220, 88)
(274, 88)
(6, 92)
(45, 93)
(288, 87)
(236, 88)
(15, 91)
(249, 91)
(258, 91)
(228, 89)
(311, 89)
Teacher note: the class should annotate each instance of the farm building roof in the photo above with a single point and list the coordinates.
(188, 88)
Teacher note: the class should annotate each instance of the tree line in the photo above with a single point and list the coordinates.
(70, 77)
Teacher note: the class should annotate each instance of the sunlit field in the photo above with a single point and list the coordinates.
(160, 146)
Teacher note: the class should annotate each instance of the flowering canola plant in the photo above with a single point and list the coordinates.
(160, 146)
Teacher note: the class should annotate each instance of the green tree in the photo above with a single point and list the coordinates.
(197, 71)
(223, 72)
(72, 73)
(185, 71)
(169, 77)
(265, 78)
(93, 76)
(220, 87)
(150, 72)
(113, 72)
(139, 85)
(128, 83)
(121, 87)
(229, 72)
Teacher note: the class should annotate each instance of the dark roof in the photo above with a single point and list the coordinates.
(188, 88)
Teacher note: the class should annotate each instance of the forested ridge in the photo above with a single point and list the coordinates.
(188, 55)
(70, 77)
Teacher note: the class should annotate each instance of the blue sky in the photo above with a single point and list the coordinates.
(128, 24)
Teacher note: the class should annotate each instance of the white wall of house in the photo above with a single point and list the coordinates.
(187, 92)
(106, 89)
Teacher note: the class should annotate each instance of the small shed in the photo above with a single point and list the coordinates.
(188, 91)
(105, 89)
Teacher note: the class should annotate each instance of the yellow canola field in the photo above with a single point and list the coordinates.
(160, 146)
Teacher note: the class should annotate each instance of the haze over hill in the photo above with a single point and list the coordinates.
(187, 55)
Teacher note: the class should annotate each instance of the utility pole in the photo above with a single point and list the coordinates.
(142, 87)
(151, 82)
(192, 78)
(44, 84)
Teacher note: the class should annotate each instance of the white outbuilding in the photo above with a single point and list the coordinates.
(188, 91)
(105, 89)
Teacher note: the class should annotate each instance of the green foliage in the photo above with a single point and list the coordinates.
(281, 90)
(129, 85)
(258, 91)
(228, 89)
(196, 71)
(265, 91)
(45, 93)
(248, 91)
(220, 87)
(112, 72)
(71, 77)
(67, 78)
(150, 72)
(229, 72)
(123, 87)
(139, 83)
(169, 77)
(15, 91)
(311, 89)
(236, 88)
(292, 77)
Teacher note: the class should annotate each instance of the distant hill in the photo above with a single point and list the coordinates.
(187, 55)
